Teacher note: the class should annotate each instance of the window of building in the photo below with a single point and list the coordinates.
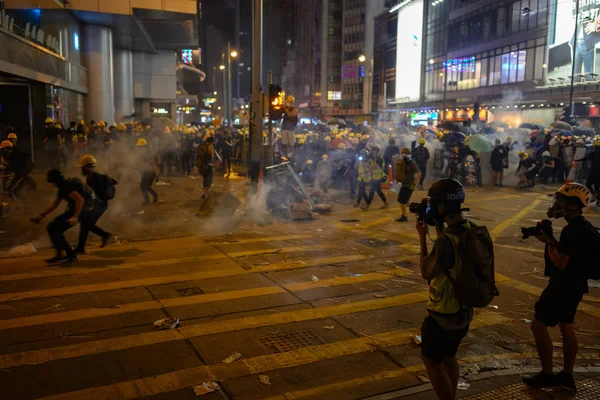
(334, 95)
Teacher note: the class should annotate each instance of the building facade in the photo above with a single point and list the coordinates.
(105, 60)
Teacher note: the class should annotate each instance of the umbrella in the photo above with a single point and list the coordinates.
(479, 143)
(498, 124)
(467, 130)
(488, 130)
(528, 125)
(562, 125)
(583, 131)
(451, 126)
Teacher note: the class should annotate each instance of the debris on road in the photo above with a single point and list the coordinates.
(417, 339)
(56, 307)
(232, 358)
(264, 379)
(167, 323)
(354, 274)
(329, 327)
(314, 278)
(462, 385)
(493, 306)
(205, 388)
(22, 250)
(263, 263)
(246, 266)
(163, 183)
(140, 212)
(527, 321)
(319, 230)
(379, 296)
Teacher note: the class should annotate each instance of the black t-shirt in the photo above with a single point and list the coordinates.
(64, 193)
(498, 154)
(572, 243)
(18, 161)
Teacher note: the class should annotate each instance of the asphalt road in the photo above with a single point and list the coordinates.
(325, 309)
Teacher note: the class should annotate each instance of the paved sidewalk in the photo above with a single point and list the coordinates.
(505, 385)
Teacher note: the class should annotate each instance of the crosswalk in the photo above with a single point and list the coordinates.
(319, 311)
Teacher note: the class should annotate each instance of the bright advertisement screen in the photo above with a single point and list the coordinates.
(409, 47)
(560, 57)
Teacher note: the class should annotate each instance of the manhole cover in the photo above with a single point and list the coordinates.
(378, 243)
(586, 390)
(291, 341)
(347, 221)
(193, 291)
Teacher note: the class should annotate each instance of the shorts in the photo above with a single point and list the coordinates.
(439, 343)
(498, 166)
(404, 195)
(557, 305)
(288, 138)
(207, 177)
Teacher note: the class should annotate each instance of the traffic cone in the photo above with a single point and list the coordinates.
(572, 172)
(260, 175)
(387, 183)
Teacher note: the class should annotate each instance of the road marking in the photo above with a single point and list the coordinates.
(188, 377)
(94, 347)
(510, 221)
(494, 198)
(21, 322)
(101, 287)
(348, 280)
(536, 291)
(363, 225)
(262, 239)
(529, 249)
(296, 249)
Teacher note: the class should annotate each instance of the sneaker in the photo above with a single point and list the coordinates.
(403, 218)
(105, 240)
(68, 259)
(77, 250)
(54, 260)
(566, 381)
(384, 206)
(541, 380)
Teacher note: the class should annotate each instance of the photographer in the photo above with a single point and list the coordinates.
(447, 321)
(408, 174)
(566, 263)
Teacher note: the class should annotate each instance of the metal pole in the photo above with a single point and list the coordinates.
(270, 125)
(256, 146)
(238, 48)
(571, 104)
(445, 88)
(224, 97)
(229, 95)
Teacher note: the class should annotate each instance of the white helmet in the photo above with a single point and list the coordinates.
(546, 154)
(576, 190)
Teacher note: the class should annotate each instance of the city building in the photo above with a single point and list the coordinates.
(96, 59)
(313, 69)
(496, 60)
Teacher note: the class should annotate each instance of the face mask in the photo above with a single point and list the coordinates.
(556, 210)
(405, 157)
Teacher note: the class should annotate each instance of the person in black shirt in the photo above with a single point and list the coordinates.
(187, 151)
(71, 191)
(18, 164)
(390, 152)
(566, 261)
(421, 157)
(53, 143)
(226, 151)
(499, 154)
(89, 218)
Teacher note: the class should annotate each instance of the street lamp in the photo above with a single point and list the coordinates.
(233, 54)
(215, 92)
(362, 58)
(222, 67)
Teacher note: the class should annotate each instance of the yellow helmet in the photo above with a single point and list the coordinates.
(301, 141)
(139, 128)
(81, 122)
(5, 143)
(342, 146)
(290, 99)
(101, 124)
(58, 126)
(49, 121)
(328, 138)
(338, 136)
(576, 190)
(422, 141)
(121, 127)
(597, 144)
(148, 127)
(87, 159)
(141, 142)
(185, 130)
(12, 135)
(298, 136)
(167, 130)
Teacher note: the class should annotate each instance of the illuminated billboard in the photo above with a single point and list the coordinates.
(562, 40)
(409, 49)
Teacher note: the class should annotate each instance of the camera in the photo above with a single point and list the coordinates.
(421, 209)
(544, 226)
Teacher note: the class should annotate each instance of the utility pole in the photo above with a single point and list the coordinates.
(270, 124)
(229, 96)
(571, 103)
(256, 143)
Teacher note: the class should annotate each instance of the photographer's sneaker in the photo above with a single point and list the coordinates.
(403, 218)
(565, 381)
(540, 381)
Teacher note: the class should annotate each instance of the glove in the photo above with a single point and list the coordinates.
(412, 187)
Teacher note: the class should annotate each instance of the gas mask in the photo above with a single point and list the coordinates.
(405, 157)
(558, 209)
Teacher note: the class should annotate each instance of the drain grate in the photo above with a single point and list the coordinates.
(193, 291)
(291, 341)
(377, 242)
(586, 390)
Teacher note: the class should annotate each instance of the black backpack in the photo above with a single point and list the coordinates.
(592, 269)
(107, 189)
(89, 197)
(475, 283)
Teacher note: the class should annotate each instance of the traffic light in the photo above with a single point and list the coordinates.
(566, 115)
(275, 102)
